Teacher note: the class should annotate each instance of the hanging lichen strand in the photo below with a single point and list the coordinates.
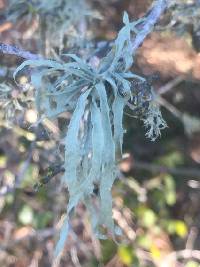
(96, 98)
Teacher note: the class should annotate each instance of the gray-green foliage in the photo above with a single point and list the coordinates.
(96, 98)
(59, 16)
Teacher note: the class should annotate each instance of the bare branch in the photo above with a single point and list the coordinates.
(151, 19)
(170, 85)
(154, 168)
(13, 50)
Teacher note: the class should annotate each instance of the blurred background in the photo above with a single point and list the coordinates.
(156, 201)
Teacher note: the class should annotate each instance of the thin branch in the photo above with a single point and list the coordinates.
(51, 172)
(192, 236)
(13, 50)
(163, 102)
(170, 85)
(155, 168)
(151, 19)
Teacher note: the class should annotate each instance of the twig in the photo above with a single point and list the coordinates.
(167, 87)
(151, 19)
(191, 238)
(170, 107)
(184, 172)
(50, 173)
(13, 50)
(74, 257)
(119, 217)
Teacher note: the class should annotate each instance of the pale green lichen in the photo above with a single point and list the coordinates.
(96, 97)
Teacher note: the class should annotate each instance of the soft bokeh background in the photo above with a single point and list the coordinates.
(157, 198)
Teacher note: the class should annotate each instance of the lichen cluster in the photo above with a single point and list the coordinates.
(96, 98)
